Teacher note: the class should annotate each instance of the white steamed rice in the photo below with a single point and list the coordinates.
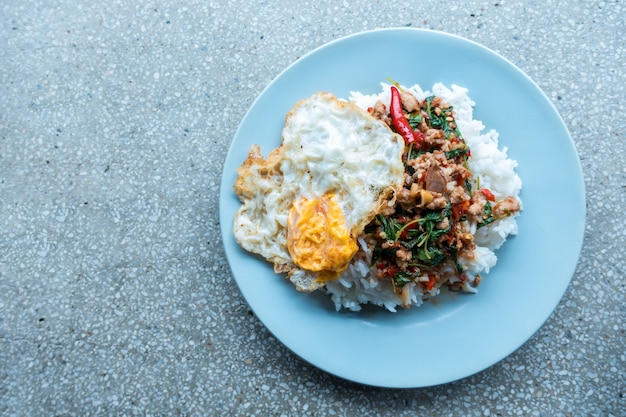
(496, 171)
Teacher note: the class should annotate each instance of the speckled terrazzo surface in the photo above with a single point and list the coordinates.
(115, 296)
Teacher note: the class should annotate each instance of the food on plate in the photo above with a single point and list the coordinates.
(382, 199)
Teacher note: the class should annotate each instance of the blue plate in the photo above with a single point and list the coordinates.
(455, 335)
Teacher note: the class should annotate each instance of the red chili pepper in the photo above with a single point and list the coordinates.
(386, 270)
(488, 194)
(419, 137)
(459, 209)
(431, 282)
(399, 121)
(406, 230)
(390, 271)
(412, 224)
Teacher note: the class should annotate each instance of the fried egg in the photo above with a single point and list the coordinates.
(304, 206)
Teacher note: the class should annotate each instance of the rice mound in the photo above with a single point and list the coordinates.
(358, 286)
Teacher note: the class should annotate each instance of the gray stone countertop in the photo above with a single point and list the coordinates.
(115, 294)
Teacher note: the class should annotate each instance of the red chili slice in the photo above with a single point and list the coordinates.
(431, 282)
(488, 194)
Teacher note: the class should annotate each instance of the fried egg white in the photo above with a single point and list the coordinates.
(305, 205)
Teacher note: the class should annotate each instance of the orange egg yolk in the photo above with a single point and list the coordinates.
(317, 237)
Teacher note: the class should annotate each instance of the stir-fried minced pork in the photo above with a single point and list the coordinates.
(425, 234)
